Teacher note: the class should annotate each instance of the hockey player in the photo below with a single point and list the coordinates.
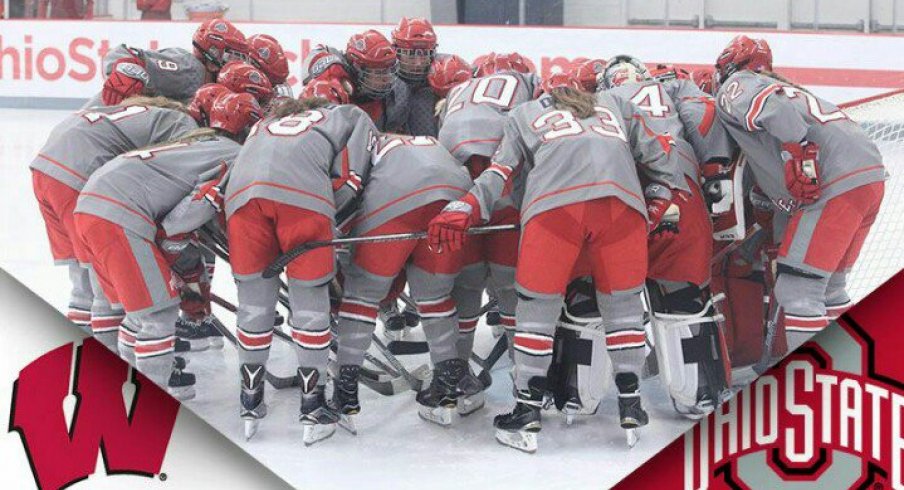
(817, 167)
(367, 71)
(147, 266)
(582, 197)
(75, 149)
(265, 53)
(239, 77)
(412, 178)
(415, 44)
(472, 118)
(302, 166)
(171, 72)
(688, 341)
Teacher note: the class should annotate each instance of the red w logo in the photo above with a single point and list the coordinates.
(129, 419)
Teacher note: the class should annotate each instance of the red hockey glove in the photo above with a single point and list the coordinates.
(663, 215)
(127, 78)
(447, 231)
(802, 171)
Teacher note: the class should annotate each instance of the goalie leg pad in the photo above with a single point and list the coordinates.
(689, 346)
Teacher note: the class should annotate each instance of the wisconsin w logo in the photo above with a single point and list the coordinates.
(67, 408)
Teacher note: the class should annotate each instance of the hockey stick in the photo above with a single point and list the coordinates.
(415, 383)
(278, 382)
(731, 247)
(772, 319)
(498, 350)
(283, 260)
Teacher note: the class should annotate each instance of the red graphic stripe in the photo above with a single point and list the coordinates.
(757, 106)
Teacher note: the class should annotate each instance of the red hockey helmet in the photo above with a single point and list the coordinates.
(666, 73)
(496, 63)
(373, 59)
(202, 102)
(743, 53)
(560, 80)
(241, 77)
(447, 73)
(265, 52)
(235, 113)
(217, 41)
(415, 44)
(624, 69)
(589, 74)
(327, 88)
(703, 78)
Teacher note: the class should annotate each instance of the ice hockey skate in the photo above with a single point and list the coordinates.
(253, 407)
(345, 397)
(194, 333)
(435, 404)
(181, 385)
(318, 420)
(472, 397)
(519, 428)
(213, 335)
(630, 412)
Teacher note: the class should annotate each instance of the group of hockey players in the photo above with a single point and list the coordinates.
(606, 183)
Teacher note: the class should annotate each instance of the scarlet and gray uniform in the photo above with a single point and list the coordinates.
(389, 114)
(172, 72)
(117, 218)
(292, 177)
(411, 180)
(75, 149)
(582, 197)
(685, 257)
(822, 240)
(471, 126)
(702, 128)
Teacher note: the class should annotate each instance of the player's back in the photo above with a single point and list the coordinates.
(570, 159)
(702, 129)
(138, 188)
(408, 172)
(472, 120)
(291, 158)
(86, 140)
(661, 115)
(761, 113)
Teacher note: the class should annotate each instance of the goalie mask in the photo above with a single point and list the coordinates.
(624, 69)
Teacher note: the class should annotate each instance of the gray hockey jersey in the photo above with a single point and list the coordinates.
(84, 141)
(565, 160)
(761, 113)
(138, 189)
(294, 159)
(702, 128)
(408, 172)
(475, 112)
(660, 115)
(172, 72)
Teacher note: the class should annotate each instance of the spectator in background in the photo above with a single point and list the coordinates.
(155, 9)
(61, 9)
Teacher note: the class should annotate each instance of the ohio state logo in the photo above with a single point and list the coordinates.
(68, 406)
(826, 417)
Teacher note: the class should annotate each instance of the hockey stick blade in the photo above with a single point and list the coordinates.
(407, 347)
(283, 260)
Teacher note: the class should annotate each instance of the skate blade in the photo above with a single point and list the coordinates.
(183, 394)
(438, 415)
(570, 410)
(468, 404)
(520, 440)
(251, 426)
(632, 437)
(314, 433)
(347, 422)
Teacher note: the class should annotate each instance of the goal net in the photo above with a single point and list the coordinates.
(882, 118)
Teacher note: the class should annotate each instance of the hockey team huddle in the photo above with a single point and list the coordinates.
(585, 204)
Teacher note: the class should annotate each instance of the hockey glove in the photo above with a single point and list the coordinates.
(802, 171)
(127, 78)
(446, 232)
(716, 179)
